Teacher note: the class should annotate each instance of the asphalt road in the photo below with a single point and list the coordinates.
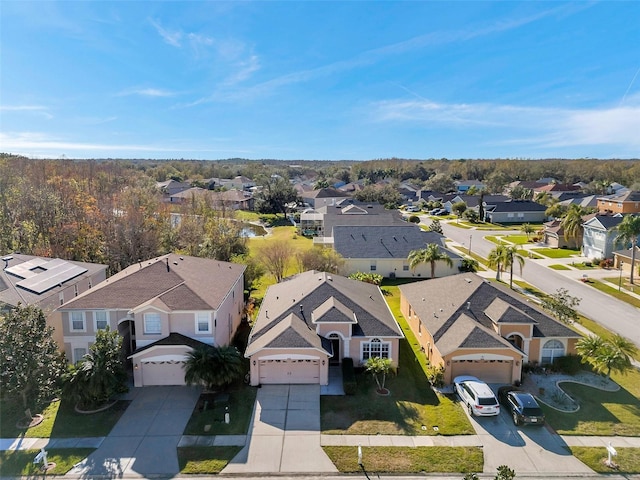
(617, 316)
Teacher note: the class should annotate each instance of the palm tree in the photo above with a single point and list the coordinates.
(572, 222)
(527, 229)
(431, 254)
(511, 256)
(588, 346)
(607, 355)
(628, 232)
(198, 366)
(495, 259)
(213, 366)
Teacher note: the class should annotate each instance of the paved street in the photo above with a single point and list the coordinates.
(617, 316)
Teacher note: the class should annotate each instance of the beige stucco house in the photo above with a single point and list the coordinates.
(163, 308)
(470, 326)
(314, 320)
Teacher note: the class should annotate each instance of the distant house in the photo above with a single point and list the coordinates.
(384, 250)
(622, 260)
(600, 234)
(163, 308)
(515, 211)
(554, 236)
(313, 320)
(556, 188)
(46, 283)
(171, 187)
(584, 201)
(626, 202)
(323, 197)
(232, 200)
(463, 186)
(470, 326)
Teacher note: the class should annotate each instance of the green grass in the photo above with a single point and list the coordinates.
(556, 252)
(516, 239)
(411, 405)
(16, 463)
(628, 459)
(407, 460)
(205, 460)
(463, 225)
(241, 401)
(559, 266)
(60, 421)
(613, 291)
(582, 266)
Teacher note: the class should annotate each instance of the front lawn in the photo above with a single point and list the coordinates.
(241, 400)
(205, 460)
(628, 459)
(614, 292)
(557, 252)
(60, 421)
(407, 460)
(17, 463)
(558, 266)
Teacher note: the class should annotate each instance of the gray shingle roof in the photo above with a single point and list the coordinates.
(288, 307)
(384, 241)
(518, 206)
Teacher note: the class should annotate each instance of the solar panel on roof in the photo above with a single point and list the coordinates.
(25, 269)
(56, 273)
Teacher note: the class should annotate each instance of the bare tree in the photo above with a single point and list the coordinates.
(275, 256)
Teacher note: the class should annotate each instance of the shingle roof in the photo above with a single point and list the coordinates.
(518, 206)
(309, 292)
(180, 282)
(446, 305)
(628, 196)
(174, 339)
(607, 222)
(326, 193)
(384, 241)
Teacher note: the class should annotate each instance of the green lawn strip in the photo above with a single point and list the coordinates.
(60, 421)
(628, 459)
(411, 405)
(407, 460)
(582, 266)
(205, 460)
(15, 463)
(556, 252)
(241, 400)
(516, 239)
(463, 225)
(613, 291)
(559, 266)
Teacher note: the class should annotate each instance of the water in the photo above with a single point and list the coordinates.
(250, 230)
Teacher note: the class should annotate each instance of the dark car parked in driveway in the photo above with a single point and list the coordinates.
(521, 405)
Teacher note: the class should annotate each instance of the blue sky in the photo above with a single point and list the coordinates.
(288, 80)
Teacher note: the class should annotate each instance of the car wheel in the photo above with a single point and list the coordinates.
(470, 409)
(516, 420)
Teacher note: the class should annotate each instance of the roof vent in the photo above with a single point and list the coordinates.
(468, 305)
(329, 277)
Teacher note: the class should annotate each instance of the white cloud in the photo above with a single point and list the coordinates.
(173, 38)
(38, 109)
(146, 92)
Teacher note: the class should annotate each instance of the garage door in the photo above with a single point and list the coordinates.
(289, 371)
(163, 373)
(489, 371)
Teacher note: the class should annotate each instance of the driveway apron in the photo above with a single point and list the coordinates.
(145, 439)
(284, 433)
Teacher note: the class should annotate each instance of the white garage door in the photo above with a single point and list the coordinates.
(163, 373)
(289, 371)
(489, 371)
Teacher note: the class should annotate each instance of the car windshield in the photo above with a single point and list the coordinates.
(486, 401)
(532, 412)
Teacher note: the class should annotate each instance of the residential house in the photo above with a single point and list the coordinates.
(515, 211)
(163, 308)
(556, 188)
(232, 200)
(323, 197)
(171, 187)
(554, 236)
(46, 283)
(470, 326)
(463, 186)
(313, 320)
(622, 261)
(600, 235)
(384, 250)
(584, 201)
(625, 202)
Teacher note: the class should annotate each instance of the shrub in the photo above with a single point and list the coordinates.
(414, 219)
(606, 263)
(349, 383)
(435, 375)
(569, 364)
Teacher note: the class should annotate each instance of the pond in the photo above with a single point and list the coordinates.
(250, 230)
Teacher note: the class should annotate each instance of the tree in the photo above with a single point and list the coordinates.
(320, 259)
(30, 363)
(459, 208)
(386, 195)
(561, 305)
(505, 473)
(213, 367)
(557, 210)
(607, 355)
(628, 232)
(441, 182)
(431, 254)
(373, 278)
(469, 265)
(379, 368)
(472, 215)
(276, 194)
(94, 380)
(495, 259)
(527, 229)
(435, 226)
(572, 222)
(511, 256)
(275, 257)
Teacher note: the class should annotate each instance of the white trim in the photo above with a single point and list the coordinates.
(165, 358)
(84, 322)
(381, 342)
(95, 319)
(289, 356)
(197, 331)
(161, 347)
(145, 331)
(482, 356)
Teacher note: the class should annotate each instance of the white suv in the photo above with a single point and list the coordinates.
(477, 396)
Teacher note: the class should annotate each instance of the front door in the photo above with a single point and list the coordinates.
(335, 344)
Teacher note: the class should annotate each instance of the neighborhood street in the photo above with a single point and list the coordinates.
(614, 314)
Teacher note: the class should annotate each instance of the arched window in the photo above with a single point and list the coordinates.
(516, 340)
(375, 348)
(551, 350)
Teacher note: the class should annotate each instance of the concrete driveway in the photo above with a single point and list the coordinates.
(144, 440)
(284, 435)
(527, 449)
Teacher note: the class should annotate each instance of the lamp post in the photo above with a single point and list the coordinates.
(470, 237)
(620, 279)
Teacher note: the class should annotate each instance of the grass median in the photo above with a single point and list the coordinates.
(19, 463)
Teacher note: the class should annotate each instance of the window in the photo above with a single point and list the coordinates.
(152, 324)
(552, 350)
(77, 321)
(373, 266)
(203, 323)
(78, 353)
(509, 215)
(375, 348)
(101, 320)
(405, 268)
